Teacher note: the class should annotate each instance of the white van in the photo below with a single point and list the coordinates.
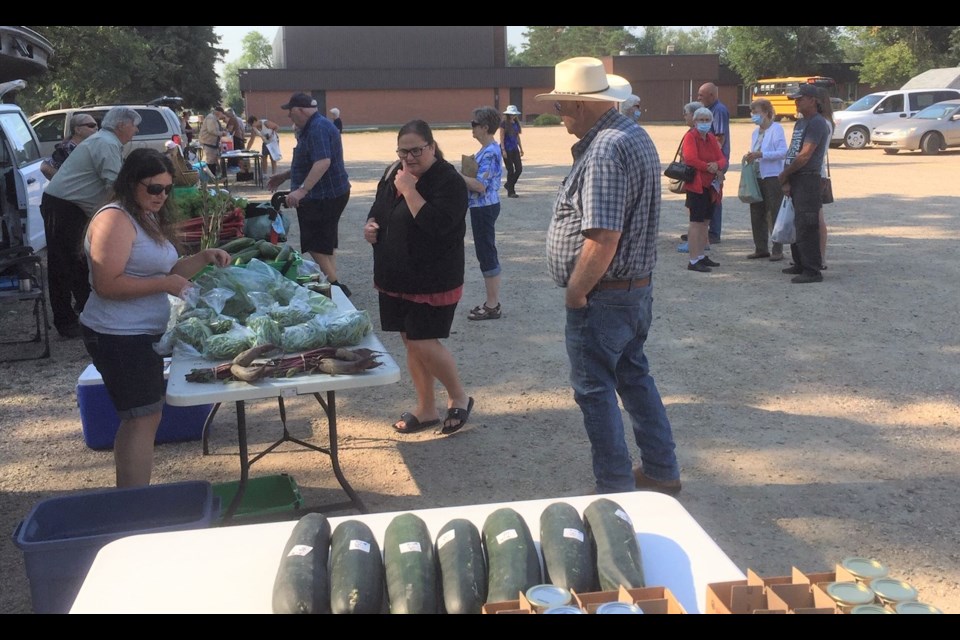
(852, 126)
(21, 182)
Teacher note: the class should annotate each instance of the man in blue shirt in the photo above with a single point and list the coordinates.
(721, 128)
(319, 183)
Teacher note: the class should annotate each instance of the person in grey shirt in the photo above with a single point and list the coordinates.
(82, 185)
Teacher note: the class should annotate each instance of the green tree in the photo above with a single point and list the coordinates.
(549, 45)
(115, 64)
(256, 53)
(891, 55)
(758, 51)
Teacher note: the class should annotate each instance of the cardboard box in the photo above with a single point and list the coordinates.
(653, 600)
(99, 421)
(800, 592)
(520, 605)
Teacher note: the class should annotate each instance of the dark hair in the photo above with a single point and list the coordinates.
(422, 129)
(824, 106)
(489, 117)
(141, 164)
(252, 119)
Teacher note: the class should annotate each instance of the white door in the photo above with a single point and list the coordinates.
(20, 160)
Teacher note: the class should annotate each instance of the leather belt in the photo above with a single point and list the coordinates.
(622, 284)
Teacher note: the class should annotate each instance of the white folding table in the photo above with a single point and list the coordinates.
(181, 393)
(232, 569)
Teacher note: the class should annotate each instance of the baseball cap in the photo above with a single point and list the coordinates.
(299, 100)
(804, 90)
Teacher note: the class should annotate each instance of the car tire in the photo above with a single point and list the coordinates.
(891, 152)
(856, 138)
(930, 144)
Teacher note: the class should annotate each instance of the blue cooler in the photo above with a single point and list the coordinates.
(100, 422)
(61, 536)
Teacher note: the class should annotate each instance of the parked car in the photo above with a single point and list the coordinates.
(853, 125)
(21, 182)
(159, 124)
(935, 128)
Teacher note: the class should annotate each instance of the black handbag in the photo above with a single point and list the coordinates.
(826, 187)
(677, 170)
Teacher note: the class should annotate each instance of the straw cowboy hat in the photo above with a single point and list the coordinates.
(586, 79)
(512, 111)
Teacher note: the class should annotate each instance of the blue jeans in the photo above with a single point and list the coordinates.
(605, 345)
(483, 221)
(716, 222)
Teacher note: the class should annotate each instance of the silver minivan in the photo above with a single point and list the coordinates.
(853, 126)
(21, 182)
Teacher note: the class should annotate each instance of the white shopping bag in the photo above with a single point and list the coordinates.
(784, 231)
(273, 148)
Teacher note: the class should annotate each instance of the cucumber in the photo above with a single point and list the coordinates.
(614, 543)
(302, 584)
(408, 561)
(245, 255)
(268, 250)
(238, 244)
(463, 571)
(513, 565)
(567, 558)
(285, 252)
(356, 569)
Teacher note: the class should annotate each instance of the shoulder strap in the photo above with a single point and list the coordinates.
(677, 156)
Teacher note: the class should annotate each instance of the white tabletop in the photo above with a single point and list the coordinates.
(181, 393)
(232, 569)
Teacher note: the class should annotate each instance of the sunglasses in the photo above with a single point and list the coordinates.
(155, 189)
(92, 125)
(415, 152)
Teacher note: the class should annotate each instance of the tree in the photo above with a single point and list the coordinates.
(547, 46)
(116, 64)
(256, 53)
(891, 55)
(762, 51)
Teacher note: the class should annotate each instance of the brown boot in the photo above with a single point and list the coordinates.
(646, 483)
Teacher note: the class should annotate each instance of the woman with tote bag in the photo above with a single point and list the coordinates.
(768, 148)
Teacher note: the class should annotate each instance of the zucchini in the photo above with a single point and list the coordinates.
(302, 584)
(567, 558)
(409, 565)
(238, 244)
(285, 252)
(463, 571)
(246, 255)
(614, 543)
(356, 569)
(513, 565)
(268, 250)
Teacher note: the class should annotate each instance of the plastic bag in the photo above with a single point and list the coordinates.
(785, 231)
(749, 190)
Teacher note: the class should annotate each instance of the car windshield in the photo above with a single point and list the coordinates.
(936, 112)
(865, 103)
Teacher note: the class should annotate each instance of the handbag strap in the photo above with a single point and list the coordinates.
(676, 156)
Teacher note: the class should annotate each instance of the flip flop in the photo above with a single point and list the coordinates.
(460, 415)
(412, 424)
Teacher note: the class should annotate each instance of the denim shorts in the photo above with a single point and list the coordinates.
(132, 371)
(482, 221)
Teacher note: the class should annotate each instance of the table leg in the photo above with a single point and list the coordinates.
(331, 410)
(223, 172)
(244, 463)
(206, 428)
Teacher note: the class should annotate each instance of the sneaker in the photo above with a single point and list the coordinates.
(756, 255)
(710, 263)
(512, 195)
(776, 257)
(698, 266)
(646, 483)
(483, 312)
(792, 271)
(804, 278)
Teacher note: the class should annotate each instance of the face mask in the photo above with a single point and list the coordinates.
(757, 118)
(636, 114)
(703, 127)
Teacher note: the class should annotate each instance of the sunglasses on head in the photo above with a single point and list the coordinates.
(156, 189)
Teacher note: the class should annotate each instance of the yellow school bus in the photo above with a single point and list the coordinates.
(776, 91)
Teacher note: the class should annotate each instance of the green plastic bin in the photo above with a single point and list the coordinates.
(265, 495)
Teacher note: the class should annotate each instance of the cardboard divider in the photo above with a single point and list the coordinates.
(653, 600)
(798, 593)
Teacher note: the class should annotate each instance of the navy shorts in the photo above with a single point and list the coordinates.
(700, 206)
(319, 220)
(131, 370)
(420, 321)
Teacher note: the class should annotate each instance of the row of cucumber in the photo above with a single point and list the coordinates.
(458, 571)
(245, 249)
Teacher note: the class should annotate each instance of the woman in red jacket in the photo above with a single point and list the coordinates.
(701, 150)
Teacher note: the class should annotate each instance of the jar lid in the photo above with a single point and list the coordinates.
(850, 593)
(916, 607)
(567, 608)
(870, 608)
(548, 595)
(619, 607)
(865, 568)
(891, 590)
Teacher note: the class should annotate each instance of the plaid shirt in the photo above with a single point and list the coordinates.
(319, 140)
(614, 184)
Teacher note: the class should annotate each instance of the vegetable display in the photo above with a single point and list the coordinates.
(302, 584)
(463, 569)
(614, 542)
(409, 566)
(513, 565)
(356, 569)
(567, 558)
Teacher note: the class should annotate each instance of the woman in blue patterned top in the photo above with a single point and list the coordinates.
(484, 192)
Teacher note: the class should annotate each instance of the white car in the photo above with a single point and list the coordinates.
(931, 130)
(21, 182)
(853, 126)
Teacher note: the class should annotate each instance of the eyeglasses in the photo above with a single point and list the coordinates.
(415, 152)
(474, 123)
(156, 189)
(92, 125)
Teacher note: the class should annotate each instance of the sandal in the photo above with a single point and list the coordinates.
(483, 312)
(458, 414)
(412, 424)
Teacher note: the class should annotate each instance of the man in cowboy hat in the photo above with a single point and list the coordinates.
(601, 246)
(318, 177)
